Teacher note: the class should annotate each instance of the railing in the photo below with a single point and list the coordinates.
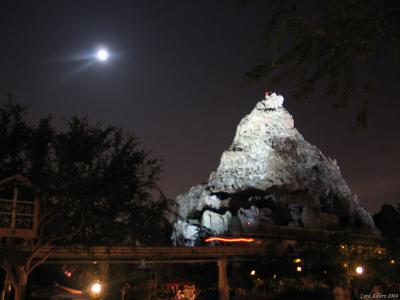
(123, 254)
(19, 218)
(317, 235)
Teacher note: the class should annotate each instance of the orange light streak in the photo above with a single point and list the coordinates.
(230, 240)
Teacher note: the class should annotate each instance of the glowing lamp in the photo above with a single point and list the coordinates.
(359, 270)
(253, 272)
(96, 288)
(299, 269)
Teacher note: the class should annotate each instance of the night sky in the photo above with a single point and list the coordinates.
(176, 81)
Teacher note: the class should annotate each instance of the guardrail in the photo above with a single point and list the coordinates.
(96, 254)
(317, 235)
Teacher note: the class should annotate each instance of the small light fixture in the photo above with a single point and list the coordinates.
(95, 288)
(68, 274)
(253, 272)
(299, 269)
(297, 260)
(392, 261)
(359, 270)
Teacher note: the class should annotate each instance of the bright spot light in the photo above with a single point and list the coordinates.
(297, 260)
(299, 269)
(102, 55)
(96, 288)
(392, 261)
(253, 272)
(359, 270)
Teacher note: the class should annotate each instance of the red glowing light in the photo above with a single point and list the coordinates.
(230, 240)
(68, 274)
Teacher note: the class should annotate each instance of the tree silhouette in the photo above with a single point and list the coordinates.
(331, 47)
(95, 183)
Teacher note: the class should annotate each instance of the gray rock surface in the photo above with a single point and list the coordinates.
(271, 168)
(217, 223)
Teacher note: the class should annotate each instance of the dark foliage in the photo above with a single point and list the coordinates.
(95, 183)
(331, 47)
(388, 221)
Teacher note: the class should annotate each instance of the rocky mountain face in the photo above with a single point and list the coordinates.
(270, 175)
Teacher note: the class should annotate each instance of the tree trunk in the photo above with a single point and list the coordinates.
(20, 284)
(19, 291)
(5, 294)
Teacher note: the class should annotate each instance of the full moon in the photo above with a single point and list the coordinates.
(102, 55)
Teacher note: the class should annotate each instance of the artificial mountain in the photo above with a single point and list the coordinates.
(270, 175)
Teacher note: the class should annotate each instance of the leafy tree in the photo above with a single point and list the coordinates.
(330, 46)
(388, 221)
(95, 184)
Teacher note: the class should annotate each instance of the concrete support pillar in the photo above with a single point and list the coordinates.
(223, 286)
